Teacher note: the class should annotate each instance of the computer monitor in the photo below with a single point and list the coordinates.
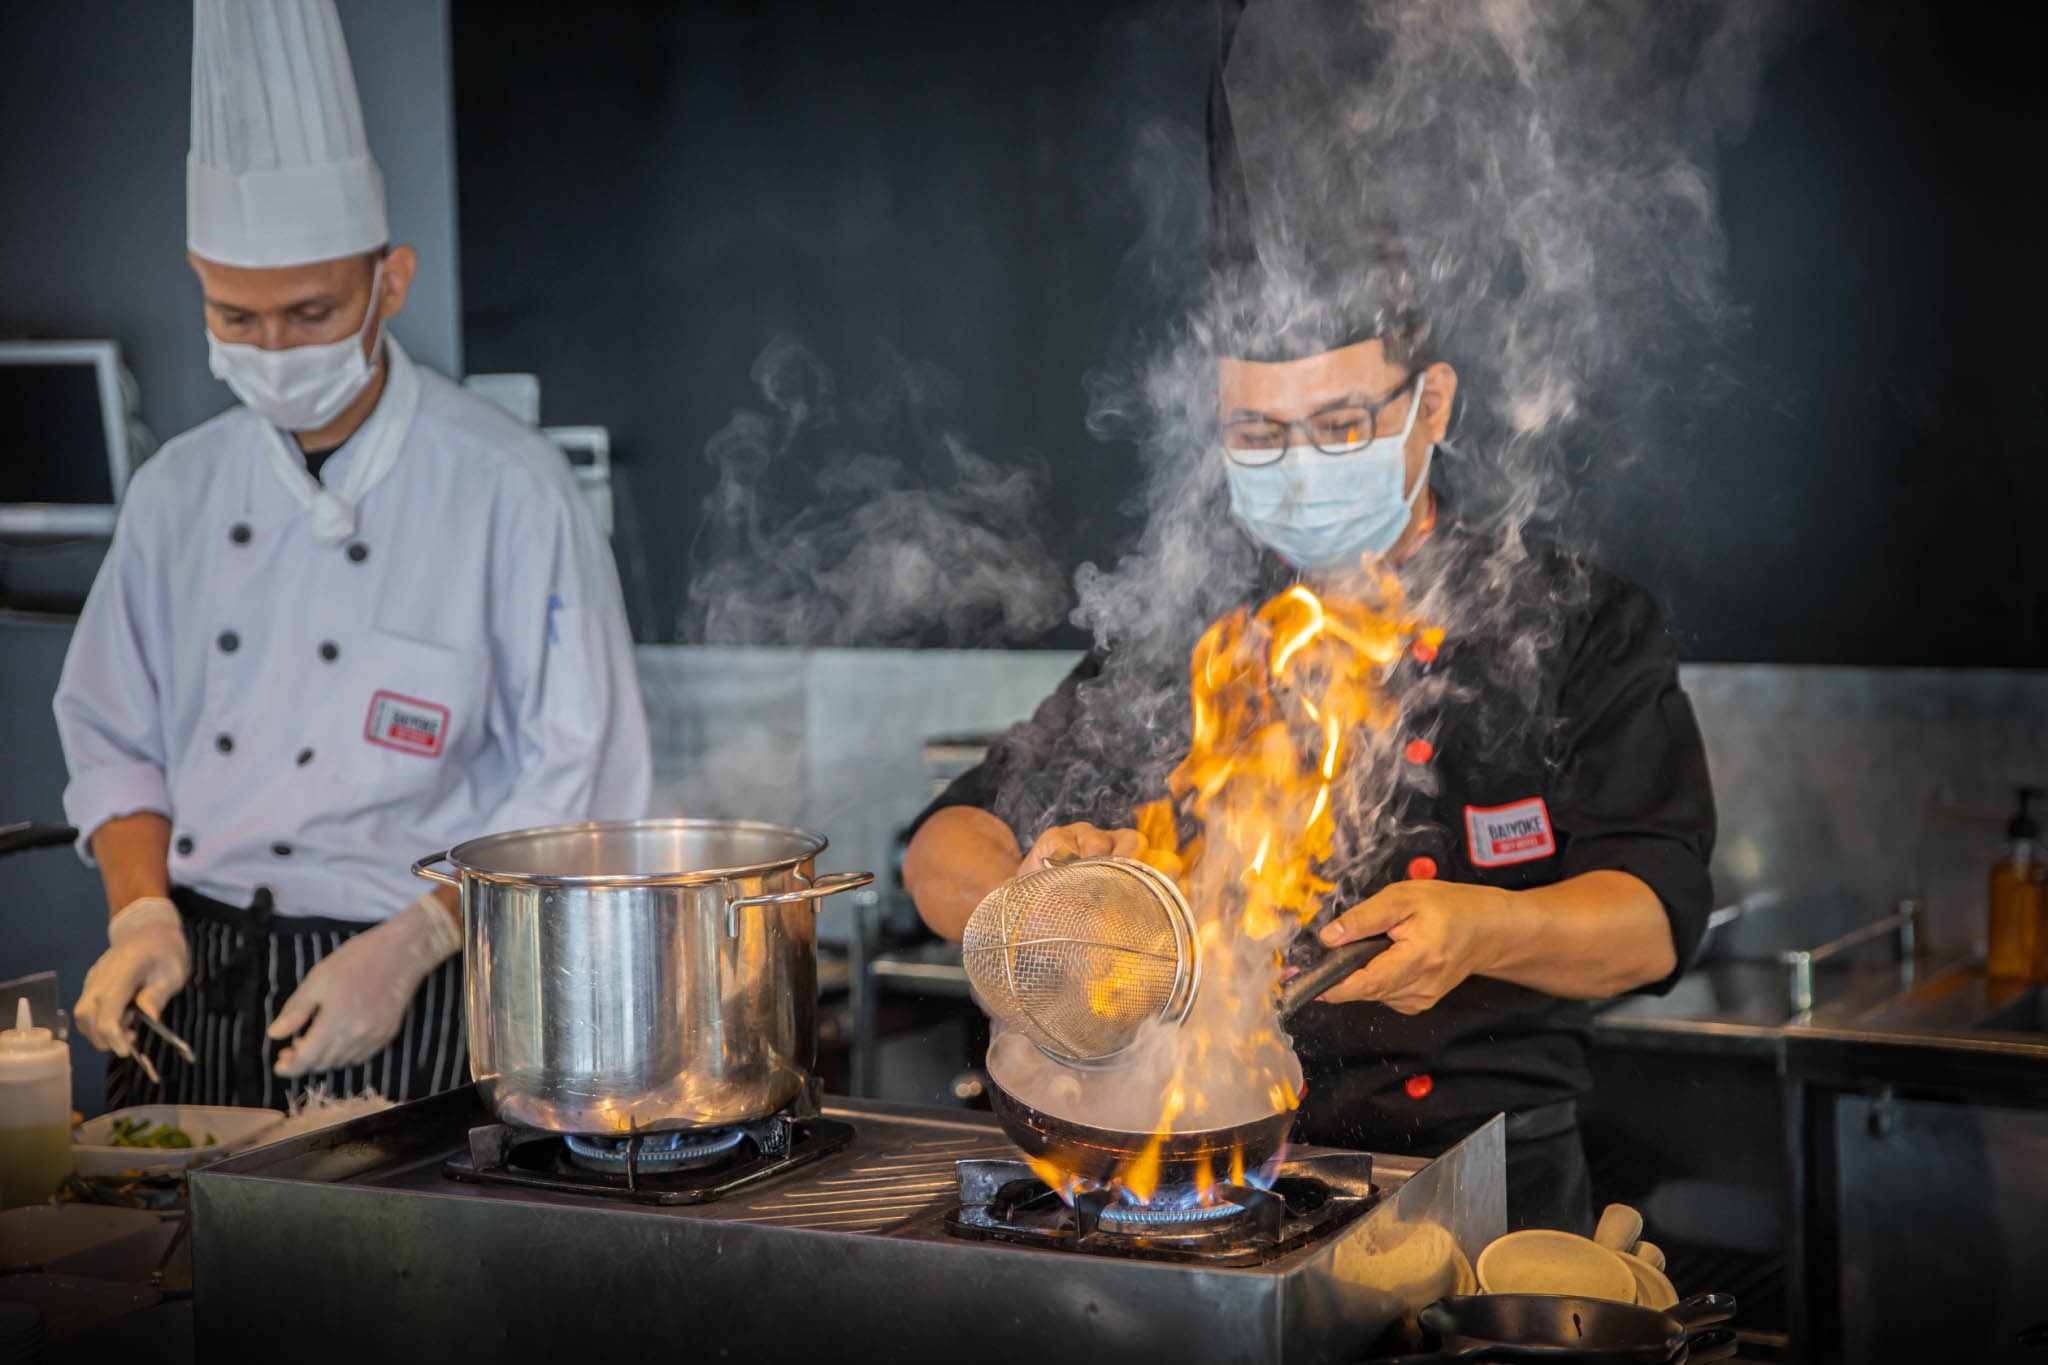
(67, 439)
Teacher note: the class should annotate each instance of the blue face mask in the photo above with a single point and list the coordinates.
(1321, 512)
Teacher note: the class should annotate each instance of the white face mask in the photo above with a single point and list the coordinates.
(1325, 512)
(301, 388)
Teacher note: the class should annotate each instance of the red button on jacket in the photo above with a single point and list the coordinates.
(1418, 1087)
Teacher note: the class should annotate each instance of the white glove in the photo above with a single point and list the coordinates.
(356, 996)
(148, 963)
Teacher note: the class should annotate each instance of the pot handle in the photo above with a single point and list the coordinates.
(425, 868)
(830, 884)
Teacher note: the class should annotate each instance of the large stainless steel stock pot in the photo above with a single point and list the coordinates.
(633, 976)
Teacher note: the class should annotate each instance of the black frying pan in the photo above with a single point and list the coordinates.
(1096, 1153)
(1556, 1328)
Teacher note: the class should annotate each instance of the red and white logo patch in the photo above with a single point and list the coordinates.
(1516, 833)
(407, 724)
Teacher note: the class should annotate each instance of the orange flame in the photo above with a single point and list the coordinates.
(1258, 779)
(1280, 696)
(1063, 1182)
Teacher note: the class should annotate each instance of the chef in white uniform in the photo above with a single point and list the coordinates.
(363, 616)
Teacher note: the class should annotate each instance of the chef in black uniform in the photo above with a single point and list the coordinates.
(1549, 823)
(1547, 849)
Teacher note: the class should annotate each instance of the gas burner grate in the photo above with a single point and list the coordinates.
(1003, 1201)
(686, 1168)
(653, 1153)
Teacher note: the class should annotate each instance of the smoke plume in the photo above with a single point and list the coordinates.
(848, 520)
(1546, 169)
(1522, 188)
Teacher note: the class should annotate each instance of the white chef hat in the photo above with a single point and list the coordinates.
(280, 172)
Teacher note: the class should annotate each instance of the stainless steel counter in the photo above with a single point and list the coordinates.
(1740, 1007)
(1915, 1076)
(1957, 1008)
(1737, 1007)
(1743, 1006)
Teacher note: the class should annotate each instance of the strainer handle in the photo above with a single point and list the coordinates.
(829, 885)
(1338, 964)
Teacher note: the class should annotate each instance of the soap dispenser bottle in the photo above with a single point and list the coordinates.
(2013, 935)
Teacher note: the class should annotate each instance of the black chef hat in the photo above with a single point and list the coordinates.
(1305, 256)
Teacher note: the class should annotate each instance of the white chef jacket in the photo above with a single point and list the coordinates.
(313, 718)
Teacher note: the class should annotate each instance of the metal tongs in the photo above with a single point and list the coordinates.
(177, 1044)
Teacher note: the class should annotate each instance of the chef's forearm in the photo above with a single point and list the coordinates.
(134, 854)
(1586, 938)
(960, 855)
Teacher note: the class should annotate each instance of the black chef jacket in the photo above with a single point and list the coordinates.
(1572, 750)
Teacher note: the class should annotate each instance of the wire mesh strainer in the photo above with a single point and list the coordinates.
(1079, 955)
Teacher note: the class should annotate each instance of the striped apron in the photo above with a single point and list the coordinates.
(245, 965)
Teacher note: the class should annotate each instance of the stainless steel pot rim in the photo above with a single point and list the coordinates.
(462, 857)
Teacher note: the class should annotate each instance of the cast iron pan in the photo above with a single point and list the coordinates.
(1095, 1153)
(1557, 1328)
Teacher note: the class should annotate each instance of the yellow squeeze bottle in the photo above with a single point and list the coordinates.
(35, 1112)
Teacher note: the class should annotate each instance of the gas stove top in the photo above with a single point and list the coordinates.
(877, 1232)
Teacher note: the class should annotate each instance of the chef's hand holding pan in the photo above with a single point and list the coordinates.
(1081, 841)
(146, 963)
(1443, 932)
(354, 1000)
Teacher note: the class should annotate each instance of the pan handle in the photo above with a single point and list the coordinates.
(830, 884)
(1703, 1310)
(425, 868)
(19, 838)
(1338, 964)
(1716, 1343)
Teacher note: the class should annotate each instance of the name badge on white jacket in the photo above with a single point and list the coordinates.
(406, 724)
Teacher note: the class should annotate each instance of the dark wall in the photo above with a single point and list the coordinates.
(650, 194)
(1863, 481)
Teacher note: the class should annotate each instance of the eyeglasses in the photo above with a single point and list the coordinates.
(1336, 430)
